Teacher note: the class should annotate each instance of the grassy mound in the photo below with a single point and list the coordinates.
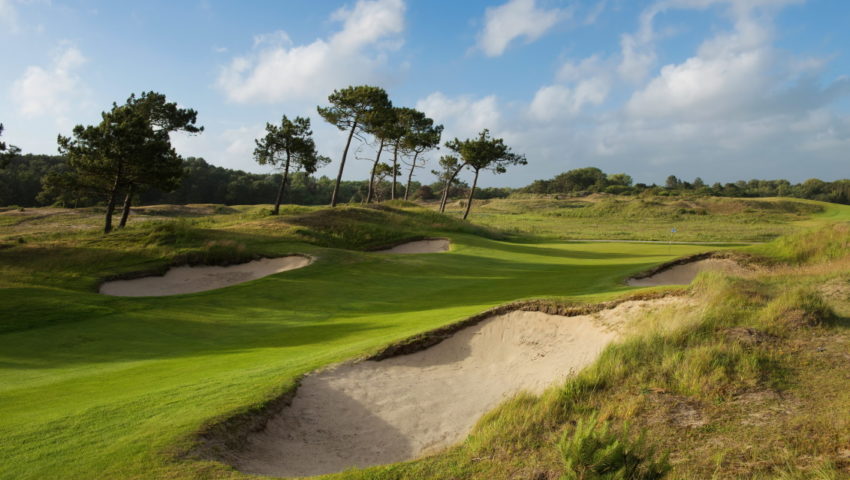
(744, 384)
(700, 219)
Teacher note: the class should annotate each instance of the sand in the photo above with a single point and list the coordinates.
(685, 273)
(377, 412)
(198, 279)
(432, 245)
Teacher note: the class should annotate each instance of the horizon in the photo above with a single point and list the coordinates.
(722, 90)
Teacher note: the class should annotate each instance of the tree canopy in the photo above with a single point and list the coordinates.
(291, 145)
(7, 152)
(420, 136)
(352, 109)
(128, 150)
(484, 153)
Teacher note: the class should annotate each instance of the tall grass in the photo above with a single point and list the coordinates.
(813, 246)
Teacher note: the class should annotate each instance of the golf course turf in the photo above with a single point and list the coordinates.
(94, 386)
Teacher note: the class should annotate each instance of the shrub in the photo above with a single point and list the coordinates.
(593, 451)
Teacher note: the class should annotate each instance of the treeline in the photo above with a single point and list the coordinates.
(25, 183)
(129, 155)
(582, 181)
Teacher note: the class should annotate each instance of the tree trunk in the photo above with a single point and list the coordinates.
(125, 212)
(342, 165)
(445, 197)
(395, 169)
(410, 176)
(471, 193)
(371, 192)
(282, 186)
(110, 205)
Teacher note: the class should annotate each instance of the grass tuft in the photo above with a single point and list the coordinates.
(593, 451)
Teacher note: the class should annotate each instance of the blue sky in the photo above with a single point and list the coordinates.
(723, 90)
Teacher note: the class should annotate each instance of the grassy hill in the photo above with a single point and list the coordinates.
(105, 387)
(696, 219)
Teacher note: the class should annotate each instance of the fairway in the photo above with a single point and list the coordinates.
(117, 384)
(100, 386)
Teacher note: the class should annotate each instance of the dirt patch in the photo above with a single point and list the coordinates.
(683, 271)
(403, 407)
(429, 245)
(748, 337)
(181, 280)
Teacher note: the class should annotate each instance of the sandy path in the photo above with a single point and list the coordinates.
(198, 279)
(685, 273)
(371, 413)
(433, 245)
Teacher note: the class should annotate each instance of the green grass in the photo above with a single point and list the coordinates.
(696, 219)
(751, 382)
(103, 387)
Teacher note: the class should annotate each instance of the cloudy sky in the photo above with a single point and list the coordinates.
(720, 89)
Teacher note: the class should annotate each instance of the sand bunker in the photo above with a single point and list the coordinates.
(377, 412)
(431, 245)
(198, 279)
(685, 273)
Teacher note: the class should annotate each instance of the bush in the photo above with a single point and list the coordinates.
(593, 451)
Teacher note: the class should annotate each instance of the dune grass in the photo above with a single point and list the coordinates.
(750, 382)
(696, 219)
(104, 387)
(96, 386)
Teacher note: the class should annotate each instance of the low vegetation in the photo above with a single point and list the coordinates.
(694, 219)
(745, 385)
(743, 382)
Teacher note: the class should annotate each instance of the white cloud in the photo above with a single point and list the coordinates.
(53, 90)
(9, 16)
(514, 19)
(558, 101)
(277, 70)
(464, 116)
(737, 107)
(595, 12)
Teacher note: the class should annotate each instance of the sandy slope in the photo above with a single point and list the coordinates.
(433, 245)
(198, 279)
(685, 273)
(370, 413)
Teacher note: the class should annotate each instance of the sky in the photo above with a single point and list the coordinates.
(717, 89)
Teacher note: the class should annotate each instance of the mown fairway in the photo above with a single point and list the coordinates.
(102, 387)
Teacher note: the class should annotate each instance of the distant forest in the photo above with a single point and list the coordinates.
(24, 182)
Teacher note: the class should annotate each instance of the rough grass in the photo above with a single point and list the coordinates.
(696, 219)
(748, 383)
(744, 384)
(94, 386)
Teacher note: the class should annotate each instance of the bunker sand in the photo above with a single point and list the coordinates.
(432, 245)
(180, 280)
(685, 273)
(378, 412)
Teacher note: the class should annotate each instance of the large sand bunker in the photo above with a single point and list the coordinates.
(377, 412)
(431, 245)
(198, 279)
(684, 273)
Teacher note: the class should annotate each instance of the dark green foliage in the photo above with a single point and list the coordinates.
(421, 136)
(588, 179)
(594, 452)
(450, 167)
(484, 153)
(129, 150)
(7, 152)
(582, 181)
(353, 109)
(290, 145)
